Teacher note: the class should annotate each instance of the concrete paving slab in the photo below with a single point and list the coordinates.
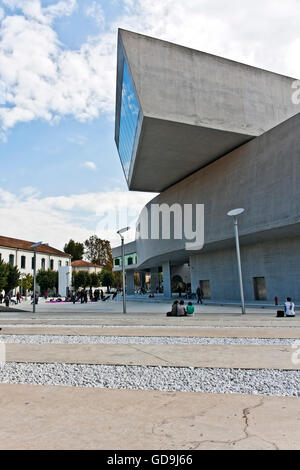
(181, 355)
(155, 319)
(51, 417)
(174, 332)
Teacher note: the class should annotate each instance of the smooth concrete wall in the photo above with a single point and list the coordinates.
(278, 261)
(184, 85)
(194, 108)
(262, 176)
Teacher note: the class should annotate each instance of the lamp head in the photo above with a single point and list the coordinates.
(122, 230)
(235, 212)
(36, 244)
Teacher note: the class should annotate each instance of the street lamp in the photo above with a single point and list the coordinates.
(119, 232)
(34, 246)
(235, 213)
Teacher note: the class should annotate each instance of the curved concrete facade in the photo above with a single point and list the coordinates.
(194, 107)
(260, 173)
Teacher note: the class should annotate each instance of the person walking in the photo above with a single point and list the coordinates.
(1, 298)
(199, 293)
(289, 308)
(6, 300)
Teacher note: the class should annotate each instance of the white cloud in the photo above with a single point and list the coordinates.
(77, 139)
(57, 219)
(90, 165)
(95, 11)
(43, 79)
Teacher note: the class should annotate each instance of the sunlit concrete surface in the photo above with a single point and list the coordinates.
(48, 417)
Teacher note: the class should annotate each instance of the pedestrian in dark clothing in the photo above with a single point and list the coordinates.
(199, 293)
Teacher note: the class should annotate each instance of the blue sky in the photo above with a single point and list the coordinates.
(60, 171)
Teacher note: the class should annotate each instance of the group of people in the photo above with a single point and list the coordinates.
(180, 310)
(84, 296)
(9, 298)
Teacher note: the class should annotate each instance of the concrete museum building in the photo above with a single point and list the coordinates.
(203, 130)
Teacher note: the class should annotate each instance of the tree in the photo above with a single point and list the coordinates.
(12, 279)
(47, 279)
(94, 280)
(106, 278)
(26, 283)
(81, 279)
(117, 279)
(75, 249)
(3, 274)
(99, 252)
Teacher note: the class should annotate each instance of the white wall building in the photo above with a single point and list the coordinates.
(81, 265)
(19, 253)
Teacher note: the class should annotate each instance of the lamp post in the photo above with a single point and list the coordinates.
(235, 213)
(119, 232)
(34, 246)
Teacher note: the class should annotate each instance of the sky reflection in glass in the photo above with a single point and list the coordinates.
(128, 120)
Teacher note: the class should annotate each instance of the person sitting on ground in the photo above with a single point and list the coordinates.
(289, 308)
(181, 309)
(190, 309)
(173, 312)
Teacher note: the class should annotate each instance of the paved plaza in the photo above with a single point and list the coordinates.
(86, 376)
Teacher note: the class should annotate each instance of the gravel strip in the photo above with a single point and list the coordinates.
(63, 339)
(174, 379)
(58, 325)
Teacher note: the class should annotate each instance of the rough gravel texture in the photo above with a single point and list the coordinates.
(181, 379)
(74, 325)
(84, 339)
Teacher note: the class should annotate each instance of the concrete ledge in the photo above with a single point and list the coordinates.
(43, 417)
(181, 355)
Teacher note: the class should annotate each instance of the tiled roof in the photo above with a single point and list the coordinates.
(80, 263)
(8, 242)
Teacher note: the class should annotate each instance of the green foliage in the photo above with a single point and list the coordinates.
(12, 278)
(106, 278)
(117, 279)
(80, 279)
(75, 249)
(3, 274)
(99, 252)
(47, 279)
(26, 282)
(94, 280)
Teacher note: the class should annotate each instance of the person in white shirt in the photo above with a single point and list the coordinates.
(289, 308)
(181, 309)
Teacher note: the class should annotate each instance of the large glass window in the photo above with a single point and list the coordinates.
(128, 120)
(23, 262)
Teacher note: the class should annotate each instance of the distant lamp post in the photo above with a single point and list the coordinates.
(235, 213)
(119, 232)
(34, 247)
